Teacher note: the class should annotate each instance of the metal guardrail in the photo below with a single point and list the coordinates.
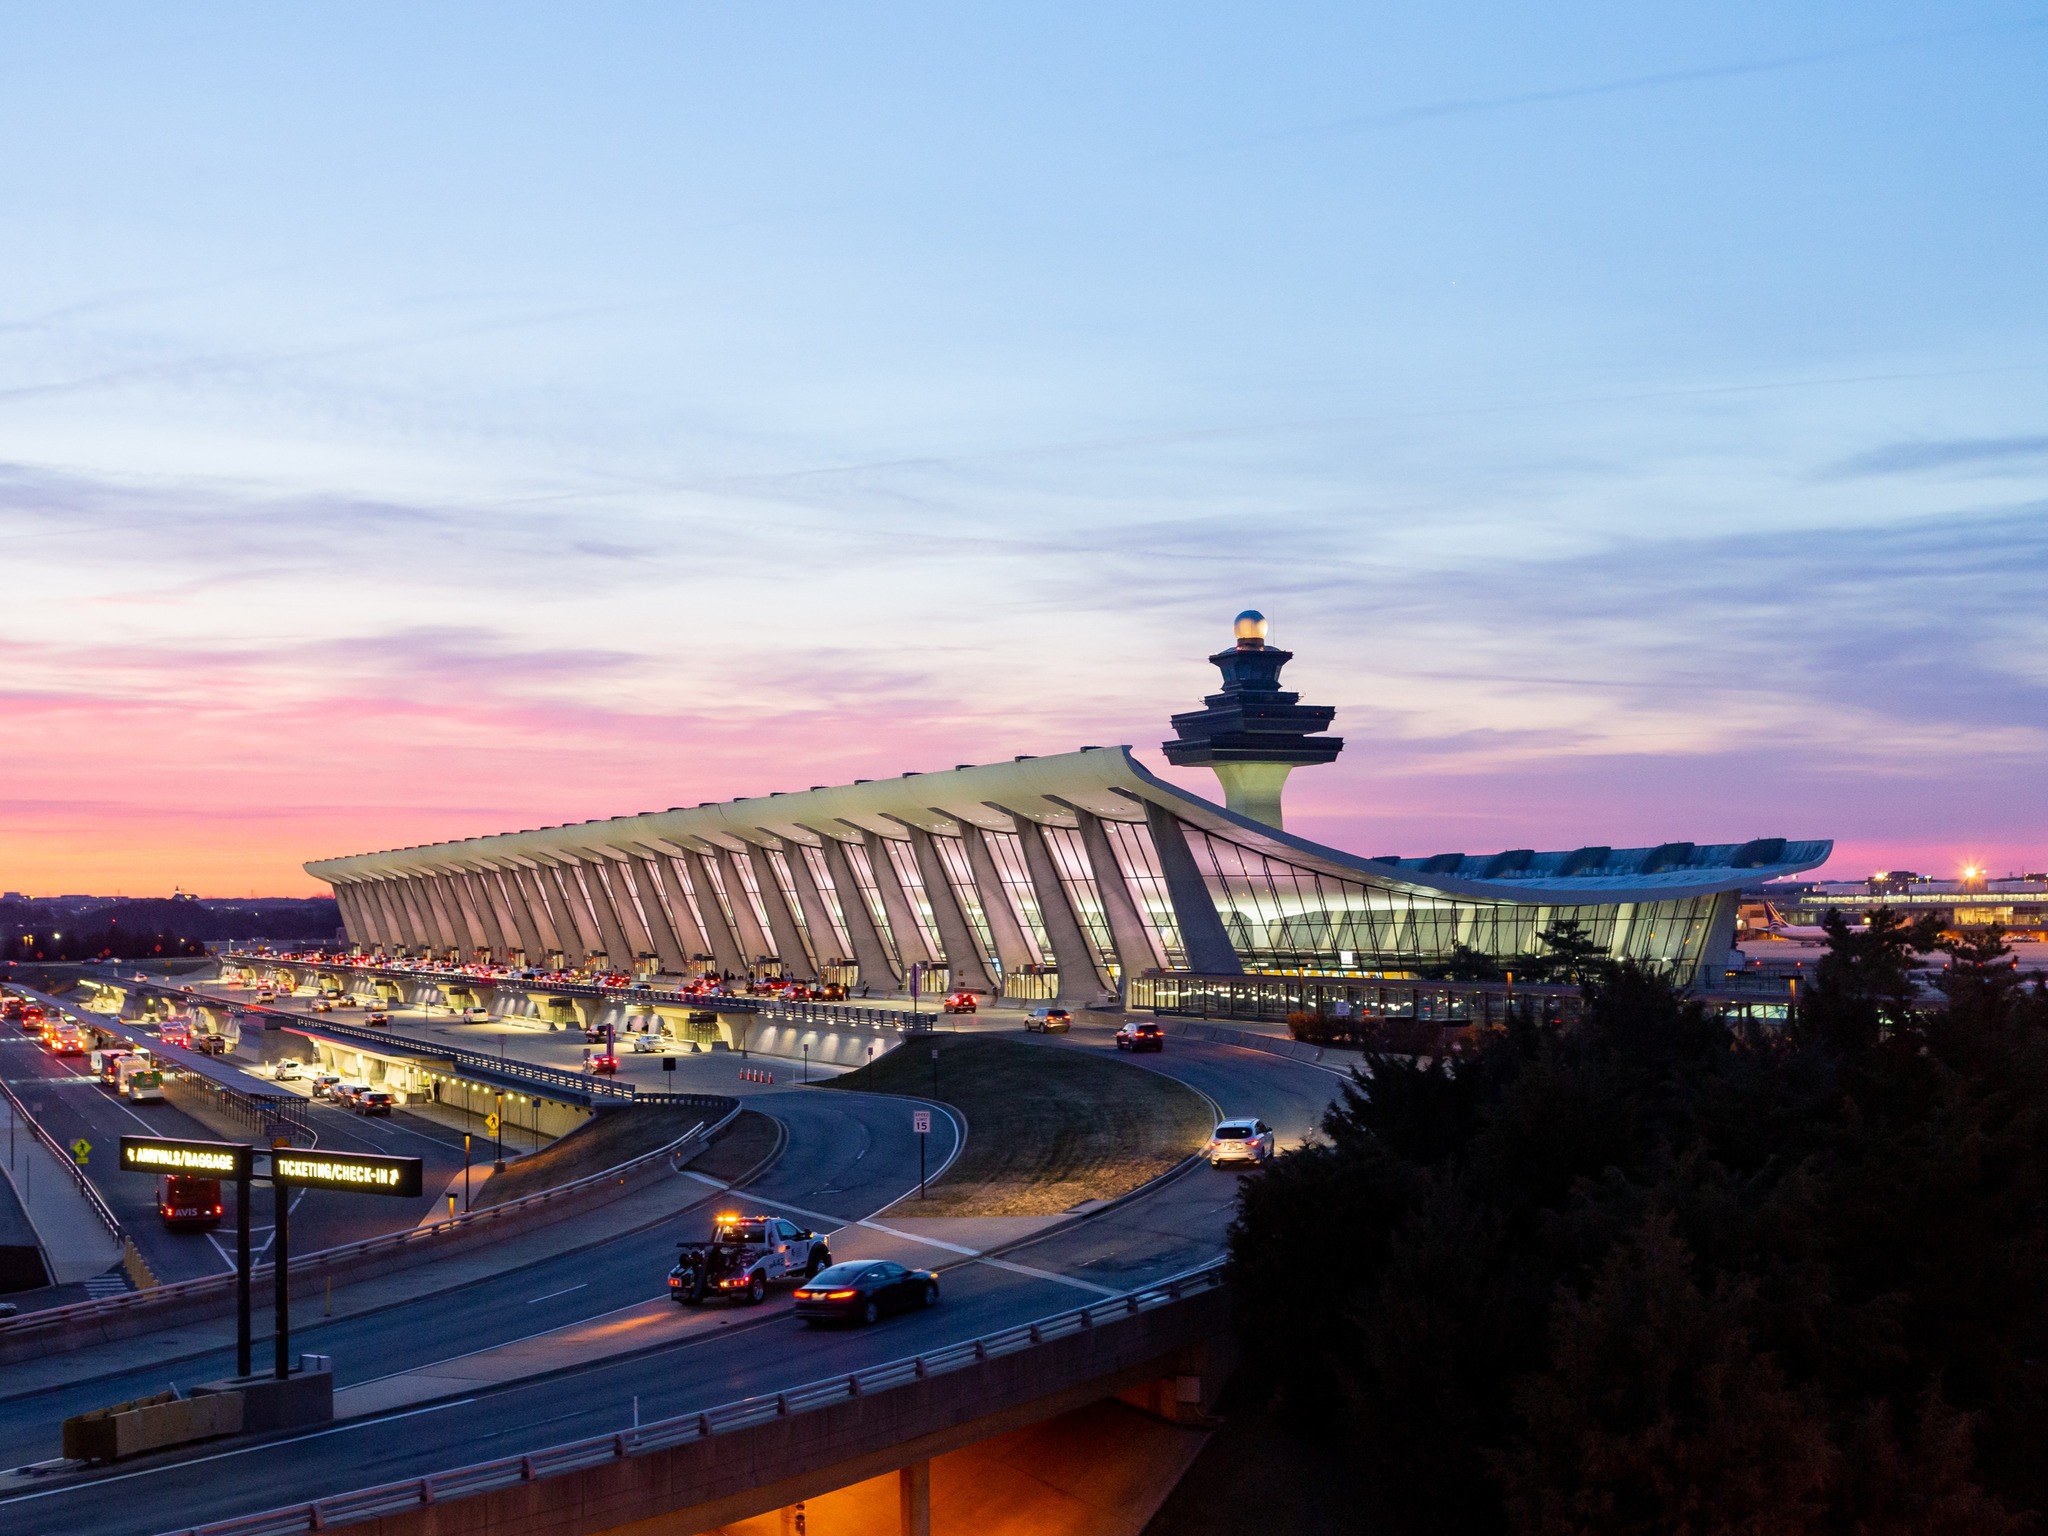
(263, 1114)
(630, 993)
(93, 1198)
(774, 1010)
(580, 1455)
(591, 1088)
(87, 1312)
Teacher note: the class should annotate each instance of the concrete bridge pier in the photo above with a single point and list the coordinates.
(914, 1498)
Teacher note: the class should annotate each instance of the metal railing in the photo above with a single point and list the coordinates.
(631, 992)
(266, 1115)
(93, 1198)
(776, 1011)
(87, 1312)
(599, 1450)
(591, 1088)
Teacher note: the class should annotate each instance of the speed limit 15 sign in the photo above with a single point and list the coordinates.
(921, 1121)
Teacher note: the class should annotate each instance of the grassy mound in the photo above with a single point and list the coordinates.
(740, 1146)
(592, 1147)
(1047, 1128)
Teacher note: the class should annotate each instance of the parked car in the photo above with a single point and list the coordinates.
(1239, 1141)
(1049, 1021)
(865, 1292)
(1134, 1036)
(960, 1002)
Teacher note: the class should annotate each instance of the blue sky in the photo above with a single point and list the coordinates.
(1636, 418)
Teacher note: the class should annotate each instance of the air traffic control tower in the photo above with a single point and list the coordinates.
(1253, 733)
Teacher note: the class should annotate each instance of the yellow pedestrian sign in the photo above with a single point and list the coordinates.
(490, 1124)
(81, 1149)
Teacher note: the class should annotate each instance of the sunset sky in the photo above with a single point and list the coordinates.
(421, 422)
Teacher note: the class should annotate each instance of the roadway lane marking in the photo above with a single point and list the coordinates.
(1046, 1274)
(318, 1434)
(975, 1254)
(551, 1295)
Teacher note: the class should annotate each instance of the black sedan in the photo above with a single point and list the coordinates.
(863, 1292)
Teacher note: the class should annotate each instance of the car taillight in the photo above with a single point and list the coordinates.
(841, 1295)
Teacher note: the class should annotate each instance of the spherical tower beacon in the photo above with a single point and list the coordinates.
(1253, 733)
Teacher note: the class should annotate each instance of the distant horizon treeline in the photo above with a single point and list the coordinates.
(141, 927)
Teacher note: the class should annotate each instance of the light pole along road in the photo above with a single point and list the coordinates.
(847, 1156)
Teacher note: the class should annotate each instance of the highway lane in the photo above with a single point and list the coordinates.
(826, 1132)
(841, 1146)
(738, 1353)
(60, 1092)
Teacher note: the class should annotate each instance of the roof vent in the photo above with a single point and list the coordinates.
(1758, 851)
(1442, 864)
(1513, 862)
(958, 766)
(863, 781)
(1666, 856)
(1386, 858)
(1091, 749)
(1579, 860)
(913, 774)
(1024, 757)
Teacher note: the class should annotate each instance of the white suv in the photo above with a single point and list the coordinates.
(1239, 1141)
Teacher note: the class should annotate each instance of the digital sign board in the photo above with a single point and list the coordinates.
(192, 1159)
(362, 1172)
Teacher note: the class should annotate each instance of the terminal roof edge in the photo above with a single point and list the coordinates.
(1107, 782)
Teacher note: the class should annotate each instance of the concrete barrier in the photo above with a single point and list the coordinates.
(701, 1470)
(118, 1317)
(151, 1424)
(1273, 1045)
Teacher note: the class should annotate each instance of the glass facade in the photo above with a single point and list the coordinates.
(878, 911)
(1070, 858)
(1132, 844)
(681, 890)
(953, 855)
(903, 859)
(821, 877)
(785, 882)
(707, 865)
(1286, 917)
(1007, 854)
(750, 884)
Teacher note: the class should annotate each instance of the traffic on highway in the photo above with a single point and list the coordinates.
(444, 1366)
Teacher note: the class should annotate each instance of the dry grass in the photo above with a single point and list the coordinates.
(1047, 1128)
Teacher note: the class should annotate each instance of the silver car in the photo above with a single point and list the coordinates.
(1239, 1141)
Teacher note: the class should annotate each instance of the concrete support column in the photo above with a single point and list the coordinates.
(752, 940)
(608, 887)
(351, 914)
(826, 943)
(1003, 927)
(683, 889)
(914, 1499)
(394, 914)
(420, 931)
(641, 874)
(910, 942)
(576, 925)
(1080, 981)
(965, 965)
(496, 934)
(469, 923)
(584, 881)
(726, 943)
(446, 927)
(1201, 930)
(790, 948)
(538, 912)
(1135, 951)
(877, 970)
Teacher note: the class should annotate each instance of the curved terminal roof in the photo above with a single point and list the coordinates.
(1110, 783)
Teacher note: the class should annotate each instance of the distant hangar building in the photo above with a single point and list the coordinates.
(1070, 878)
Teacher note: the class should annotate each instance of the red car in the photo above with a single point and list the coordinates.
(607, 1064)
(961, 1002)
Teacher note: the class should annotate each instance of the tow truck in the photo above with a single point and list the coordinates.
(743, 1257)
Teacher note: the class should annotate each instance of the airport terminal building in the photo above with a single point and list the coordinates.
(1079, 878)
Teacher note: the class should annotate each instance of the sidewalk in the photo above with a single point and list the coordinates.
(75, 1242)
